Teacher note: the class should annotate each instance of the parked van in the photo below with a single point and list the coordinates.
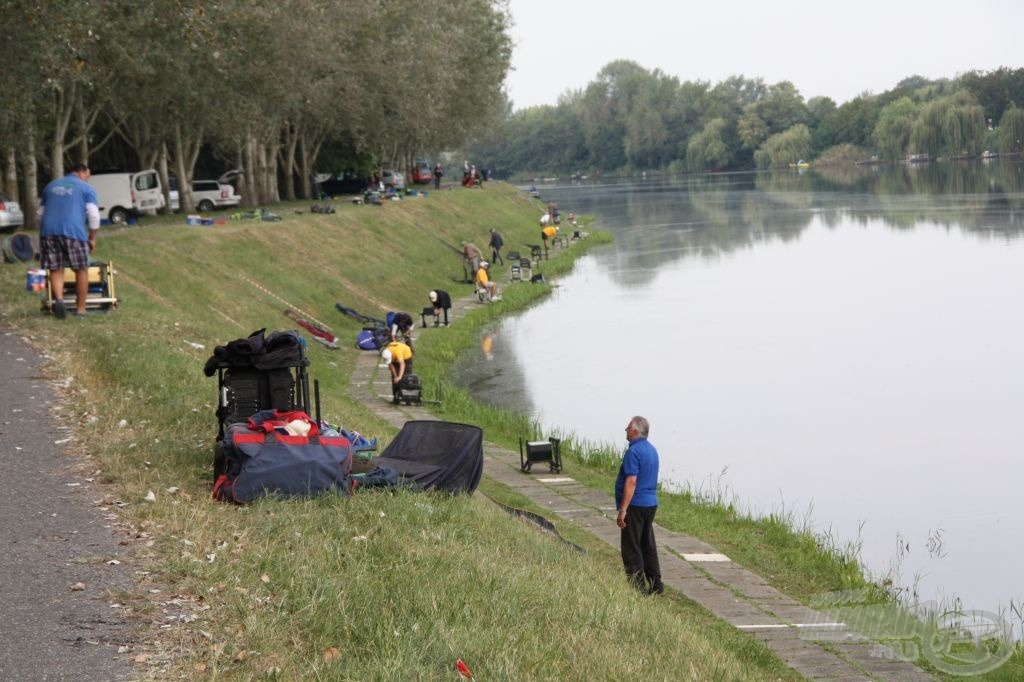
(125, 195)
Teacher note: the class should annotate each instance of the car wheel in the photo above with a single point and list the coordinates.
(205, 205)
(118, 216)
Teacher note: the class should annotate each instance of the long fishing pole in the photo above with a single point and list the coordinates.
(270, 293)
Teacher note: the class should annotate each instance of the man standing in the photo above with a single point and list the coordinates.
(438, 174)
(471, 258)
(66, 206)
(496, 243)
(636, 501)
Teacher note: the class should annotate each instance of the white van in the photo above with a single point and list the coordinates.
(124, 195)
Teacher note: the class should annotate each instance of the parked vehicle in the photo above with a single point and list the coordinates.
(340, 183)
(126, 195)
(422, 173)
(207, 194)
(11, 217)
(392, 178)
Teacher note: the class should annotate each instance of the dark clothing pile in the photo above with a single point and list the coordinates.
(280, 349)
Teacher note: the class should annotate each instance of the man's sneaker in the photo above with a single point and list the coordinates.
(59, 311)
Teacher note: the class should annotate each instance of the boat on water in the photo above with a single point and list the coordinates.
(919, 158)
(800, 164)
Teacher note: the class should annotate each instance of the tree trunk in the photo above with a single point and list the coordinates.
(249, 151)
(291, 140)
(82, 122)
(30, 170)
(11, 173)
(185, 203)
(164, 172)
(63, 107)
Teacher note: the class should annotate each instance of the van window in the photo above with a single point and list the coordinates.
(146, 181)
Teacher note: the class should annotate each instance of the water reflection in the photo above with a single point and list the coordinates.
(842, 339)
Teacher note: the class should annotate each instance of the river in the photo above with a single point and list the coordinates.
(843, 347)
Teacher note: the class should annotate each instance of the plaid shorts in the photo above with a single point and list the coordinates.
(63, 252)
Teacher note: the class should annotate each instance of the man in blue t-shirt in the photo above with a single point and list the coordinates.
(636, 502)
(70, 218)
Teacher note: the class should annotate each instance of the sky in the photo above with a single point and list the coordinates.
(824, 47)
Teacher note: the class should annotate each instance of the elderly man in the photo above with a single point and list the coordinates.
(485, 282)
(65, 207)
(471, 257)
(636, 502)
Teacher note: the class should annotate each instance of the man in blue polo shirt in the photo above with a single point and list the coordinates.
(67, 205)
(636, 501)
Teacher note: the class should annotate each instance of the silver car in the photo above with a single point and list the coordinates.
(11, 216)
(392, 178)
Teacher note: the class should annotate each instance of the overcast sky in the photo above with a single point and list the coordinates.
(824, 47)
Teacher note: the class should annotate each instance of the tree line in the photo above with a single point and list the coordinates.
(631, 119)
(275, 89)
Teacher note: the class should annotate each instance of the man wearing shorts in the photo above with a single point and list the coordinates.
(66, 206)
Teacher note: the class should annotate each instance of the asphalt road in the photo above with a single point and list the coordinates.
(58, 613)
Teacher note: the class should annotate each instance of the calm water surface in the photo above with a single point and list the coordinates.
(848, 349)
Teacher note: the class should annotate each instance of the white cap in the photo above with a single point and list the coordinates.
(484, 264)
(386, 356)
(433, 296)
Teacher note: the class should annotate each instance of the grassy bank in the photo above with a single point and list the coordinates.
(379, 586)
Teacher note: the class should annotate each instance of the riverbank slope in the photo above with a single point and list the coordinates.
(382, 586)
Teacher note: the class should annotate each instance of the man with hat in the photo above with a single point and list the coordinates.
(398, 357)
(485, 282)
(442, 301)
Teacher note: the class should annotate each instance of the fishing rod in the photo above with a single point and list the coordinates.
(270, 293)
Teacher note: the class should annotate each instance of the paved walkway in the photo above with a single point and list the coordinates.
(60, 566)
(694, 568)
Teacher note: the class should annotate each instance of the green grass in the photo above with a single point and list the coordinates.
(269, 588)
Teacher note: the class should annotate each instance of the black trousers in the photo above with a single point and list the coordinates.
(639, 549)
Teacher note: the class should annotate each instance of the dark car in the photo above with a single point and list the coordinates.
(340, 183)
(422, 174)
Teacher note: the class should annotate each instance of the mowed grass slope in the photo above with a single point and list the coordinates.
(377, 586)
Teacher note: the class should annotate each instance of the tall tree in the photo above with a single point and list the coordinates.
(892, 131)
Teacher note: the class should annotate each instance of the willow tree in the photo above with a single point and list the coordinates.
(953, 124)
(707, 149)
(784, 148)
(1011, 130)
(892, 132)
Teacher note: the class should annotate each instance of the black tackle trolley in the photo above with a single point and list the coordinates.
(273, 377)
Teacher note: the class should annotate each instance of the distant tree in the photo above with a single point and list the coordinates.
(995, 90)
(892, 131)
(1011, 130)
(752, 129)
(949, 125)
(708, 150)
(784, 148)
(853, 121)
(819, 109)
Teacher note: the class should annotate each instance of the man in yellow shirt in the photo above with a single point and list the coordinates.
(548, 232)
(398, 357)
(484, 282)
